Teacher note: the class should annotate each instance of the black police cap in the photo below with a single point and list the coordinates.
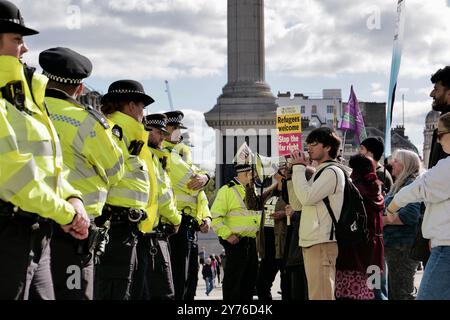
(127, 89)
(64, 65)
(156, 120)
(11, 20)
(174, 118)
(243, 167)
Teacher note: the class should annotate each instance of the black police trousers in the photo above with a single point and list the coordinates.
(240, 269)
(114, 273)
(25, 259)
(153, 277)
(72, 267)
(184, 258)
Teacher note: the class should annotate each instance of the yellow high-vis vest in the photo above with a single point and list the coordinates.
(31, 163)
(94, 159)
(134, 189)
(230, 215)
(167, 208)
(192, 202)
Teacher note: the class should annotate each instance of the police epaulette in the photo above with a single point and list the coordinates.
(231, 184)
(117, 132)
(98, 116)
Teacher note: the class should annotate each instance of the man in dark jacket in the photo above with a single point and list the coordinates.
(441, 103)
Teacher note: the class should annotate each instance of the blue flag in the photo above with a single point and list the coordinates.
(395, 67)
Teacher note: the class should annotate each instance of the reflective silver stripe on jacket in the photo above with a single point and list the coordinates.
(128, 194)
(95, 197)
(36, 148)
(19, 180)
(244, 229)
(183, 182)
(116, 168)
(186, 198)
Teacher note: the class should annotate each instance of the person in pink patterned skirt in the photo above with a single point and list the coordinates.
(356, 263)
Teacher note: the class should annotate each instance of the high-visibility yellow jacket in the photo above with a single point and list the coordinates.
(192, 202)
(134, 189)
(94, 159)
(183, 150)
(31, 164)
(167, 208)
(230, 215)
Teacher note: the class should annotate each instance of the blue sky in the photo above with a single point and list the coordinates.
(310, 45)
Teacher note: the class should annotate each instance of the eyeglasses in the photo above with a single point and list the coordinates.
(313, 144)
(440, 134)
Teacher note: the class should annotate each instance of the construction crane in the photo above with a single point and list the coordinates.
(169, 95)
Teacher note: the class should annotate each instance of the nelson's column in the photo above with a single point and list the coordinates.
(246, 109)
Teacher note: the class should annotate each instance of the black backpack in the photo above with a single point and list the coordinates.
(351, 229)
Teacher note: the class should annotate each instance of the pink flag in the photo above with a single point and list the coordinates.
(352, 119)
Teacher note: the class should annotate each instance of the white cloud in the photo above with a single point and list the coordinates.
(378, 90)
(415, 113)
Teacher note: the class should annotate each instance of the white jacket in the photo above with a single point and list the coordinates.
(315, 221)
(433, 188)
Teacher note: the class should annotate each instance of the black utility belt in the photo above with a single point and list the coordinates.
(155, 235)
(122, 214)
(7, 209)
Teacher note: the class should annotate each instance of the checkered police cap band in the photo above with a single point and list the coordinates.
(156, 122)
(61, 79)
(243, 169)
(175, 119)
(126, 91)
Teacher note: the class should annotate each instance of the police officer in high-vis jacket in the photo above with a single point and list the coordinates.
(125, 211)
(188, 183)
(94, 160)
(33, 189)
(236, 224)
(154, 275)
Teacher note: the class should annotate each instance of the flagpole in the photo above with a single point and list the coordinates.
(395, 68)
(343, 143)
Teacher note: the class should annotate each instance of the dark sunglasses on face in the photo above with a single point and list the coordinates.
(440, 134)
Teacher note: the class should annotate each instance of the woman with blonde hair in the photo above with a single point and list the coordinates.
(400, 231)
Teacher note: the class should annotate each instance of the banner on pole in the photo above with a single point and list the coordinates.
(395, 68)
(289, 129)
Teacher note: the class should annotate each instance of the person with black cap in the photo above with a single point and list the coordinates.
(236, 221)
(33, 189)
(92, 156)
(126, 211)
(175, 138)
(153, 279)
(188, 182)
(373, 147)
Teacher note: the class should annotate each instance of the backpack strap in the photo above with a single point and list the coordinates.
(326, 200)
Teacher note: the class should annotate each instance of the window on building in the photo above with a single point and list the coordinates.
(302, 110)
(314, 109)
(330, 109)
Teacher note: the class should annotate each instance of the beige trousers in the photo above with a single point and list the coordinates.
(320, 268)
